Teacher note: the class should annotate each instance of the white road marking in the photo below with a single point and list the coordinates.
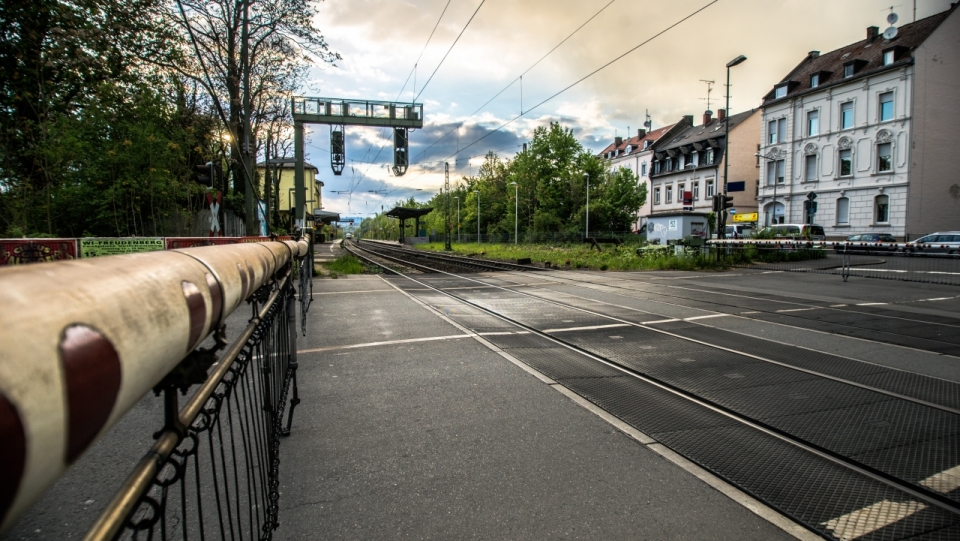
(937, 299)
(749, 312)
(590, 328)
(872, 303)
(871, 518)
(945, 481)
(704, 317)
(386, 343)
(501, 333)
(799, 309)
(659, 321)
(837, 305)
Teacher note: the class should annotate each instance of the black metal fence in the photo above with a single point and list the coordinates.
(845, 259)
(213, 472)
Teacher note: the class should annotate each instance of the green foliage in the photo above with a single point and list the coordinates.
(346, 264)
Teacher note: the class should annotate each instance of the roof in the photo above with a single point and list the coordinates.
(697, 134)
(326, 216)
(636, 142)
(289, 166)
(868, 51)
(405, 213)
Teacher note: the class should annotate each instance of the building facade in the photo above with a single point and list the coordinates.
(636, 154)
(692, 161)
(841, 130)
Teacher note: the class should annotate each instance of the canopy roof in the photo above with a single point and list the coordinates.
(405, 213)
(325, 216)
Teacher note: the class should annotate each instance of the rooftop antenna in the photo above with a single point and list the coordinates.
(648, 123)
(892, 18)
(709, 89)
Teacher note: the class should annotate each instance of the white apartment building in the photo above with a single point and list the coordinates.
(636, 154)
(844, 126)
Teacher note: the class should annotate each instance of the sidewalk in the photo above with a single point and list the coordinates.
(424, 432)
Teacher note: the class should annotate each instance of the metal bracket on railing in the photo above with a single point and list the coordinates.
(192, 370)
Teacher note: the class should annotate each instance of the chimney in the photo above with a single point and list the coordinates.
(814, 54)
(688, 120)
(721, 114)
(641, 133)
(872, 33)
(618, 141)
(707, 116)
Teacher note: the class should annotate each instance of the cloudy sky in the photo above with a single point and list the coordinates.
(381, 40)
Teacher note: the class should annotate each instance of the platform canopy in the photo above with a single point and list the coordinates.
(405, 213)
(325, 216)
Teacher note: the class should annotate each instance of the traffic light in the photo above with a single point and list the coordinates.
(726, 202)
(205, 173)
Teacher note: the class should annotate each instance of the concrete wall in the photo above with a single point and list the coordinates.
(934, 193)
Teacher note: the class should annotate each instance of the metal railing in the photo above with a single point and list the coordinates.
(126, 325)
(845, 259)
(331, 107)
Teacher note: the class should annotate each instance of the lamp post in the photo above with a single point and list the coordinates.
(721, 226)
(478, 214)
(587, 177)
(457, 197)
(516, 206)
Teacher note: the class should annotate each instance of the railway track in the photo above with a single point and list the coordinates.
(828, 442)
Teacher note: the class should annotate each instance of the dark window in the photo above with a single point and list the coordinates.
(884, 158)
(846, 163)
(736, 186)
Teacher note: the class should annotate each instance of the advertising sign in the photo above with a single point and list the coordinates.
(746, 217)
(97, 247)
(673, 224)
(173, 243)
(22, 251)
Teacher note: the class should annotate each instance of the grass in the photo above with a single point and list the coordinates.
(346, 264)
(581, 256)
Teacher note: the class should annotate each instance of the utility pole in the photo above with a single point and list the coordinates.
(446, 214)
(249, 145)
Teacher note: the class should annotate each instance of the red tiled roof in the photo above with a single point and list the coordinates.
(869, 52)
(636, 142)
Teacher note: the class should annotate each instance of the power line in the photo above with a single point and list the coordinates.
(448, 50)
(575, 83)
(520, 77)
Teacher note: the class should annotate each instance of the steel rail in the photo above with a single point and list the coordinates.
(928, 496)
(483, 263)
(140, 480)
(418, 266)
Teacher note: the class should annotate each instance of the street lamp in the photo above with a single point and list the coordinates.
(457, 197)
(478, 214)
(586, 176)
(516, 205)
(721, 233)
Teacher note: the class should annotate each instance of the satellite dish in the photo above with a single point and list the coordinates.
(892, 18)
(890, 33)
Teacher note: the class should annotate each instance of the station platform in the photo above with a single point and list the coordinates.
(411, 427)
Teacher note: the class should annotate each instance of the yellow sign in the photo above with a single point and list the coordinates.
(751, 217)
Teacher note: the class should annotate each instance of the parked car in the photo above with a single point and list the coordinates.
(870, 242)
(793, 232)
(738, 231)
(940, 243)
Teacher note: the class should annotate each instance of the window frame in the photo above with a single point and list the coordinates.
(696, 190)
(889, 146)
(807, 175)
(668, 194)
(779, 91)
(656, 195)
(849, 70)
(880, 103)
(889, 57)
(643, 169)
(840, 162)
(846, 218)
(852, 111)
(710, 190)
(813, 115)
(708, 157)
(884, 206)
(815, 80)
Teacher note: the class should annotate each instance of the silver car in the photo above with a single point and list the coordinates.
(940, 243)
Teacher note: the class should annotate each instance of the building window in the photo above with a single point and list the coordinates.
(683, 161)
(886, 106)
(656, 167)
(813, 123)
(693, 159)
(843, 211)
(708, 158)
(882, 209)
(777, 131)
(846, 115)
(669, 164)
(669, 198)
(656, 196)
(680, 189)
(815, 80)
(846, 162)
(810, 167)
(696, 191)
(709, 193)
(848, 70)
(780, 92)
(643, 169)
(888, 57)
(884, 158)
(775, 172)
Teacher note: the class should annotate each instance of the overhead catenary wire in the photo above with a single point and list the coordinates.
(424, 87)
(571, 85)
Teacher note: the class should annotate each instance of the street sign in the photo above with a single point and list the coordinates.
(746, 217)
(733, 211)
